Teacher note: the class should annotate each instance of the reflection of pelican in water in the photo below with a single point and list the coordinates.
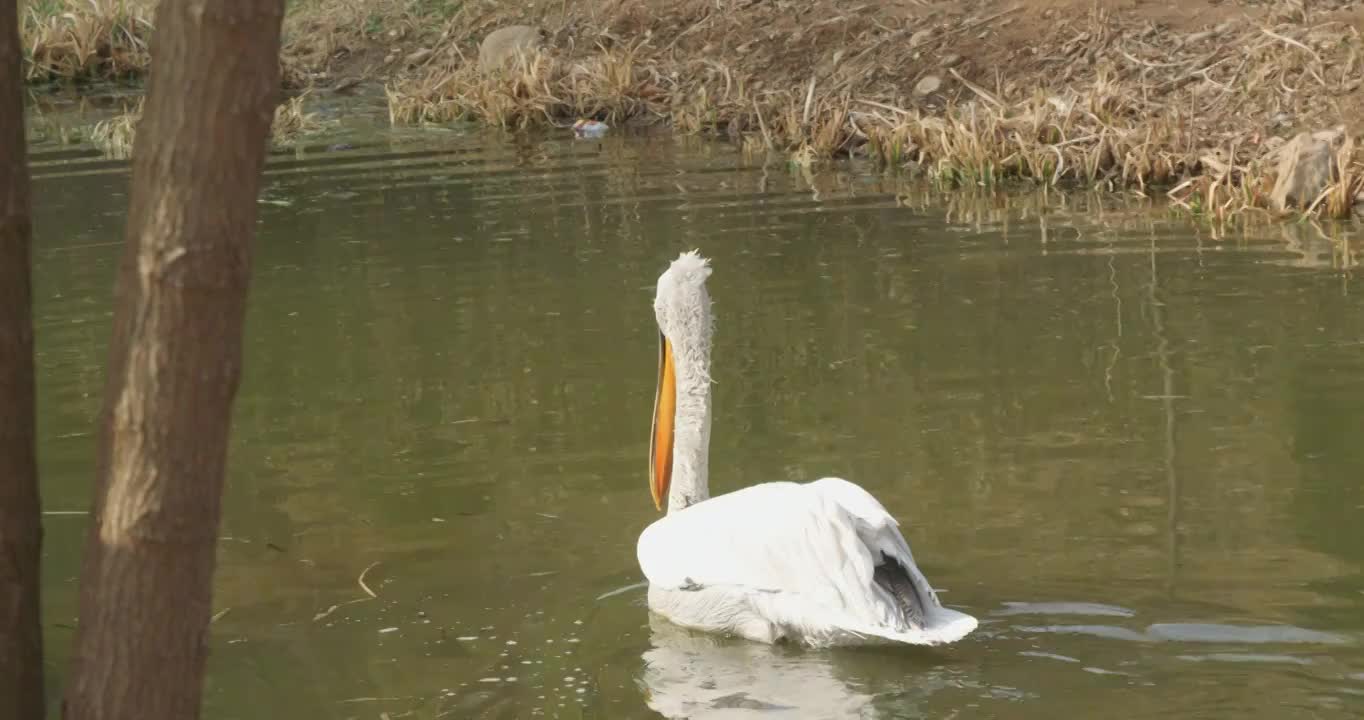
(821, 563)
(688, 675)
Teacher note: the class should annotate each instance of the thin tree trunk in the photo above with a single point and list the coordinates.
(175, 360)
(21, 639)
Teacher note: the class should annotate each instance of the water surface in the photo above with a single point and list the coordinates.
(1130, 446)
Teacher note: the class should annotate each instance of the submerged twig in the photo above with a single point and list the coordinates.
(361, 579)
(338, 606)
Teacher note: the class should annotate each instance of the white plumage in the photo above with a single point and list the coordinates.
(820, 563)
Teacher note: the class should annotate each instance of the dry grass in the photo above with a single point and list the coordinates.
(94, 40)
(114, 136)
(85, 40)
(1100, 100)
(535, 89)
(292, 123)
(1347, 190)
(57, 128)
(1101, 103)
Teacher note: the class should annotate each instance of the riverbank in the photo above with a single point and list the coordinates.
(1226, 106)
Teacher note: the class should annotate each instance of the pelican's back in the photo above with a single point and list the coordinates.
(803, 557)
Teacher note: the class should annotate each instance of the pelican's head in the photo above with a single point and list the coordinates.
(682, 309)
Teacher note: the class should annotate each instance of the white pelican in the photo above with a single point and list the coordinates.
(819, 563)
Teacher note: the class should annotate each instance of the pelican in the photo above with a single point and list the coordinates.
(819, 563)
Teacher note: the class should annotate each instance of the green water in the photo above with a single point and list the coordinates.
(1135, 450)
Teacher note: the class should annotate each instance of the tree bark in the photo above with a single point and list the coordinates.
(21, 640)
(175, 360)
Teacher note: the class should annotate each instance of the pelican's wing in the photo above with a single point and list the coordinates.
(806, 554)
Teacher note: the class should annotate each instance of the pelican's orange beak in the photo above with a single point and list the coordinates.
(661, 439)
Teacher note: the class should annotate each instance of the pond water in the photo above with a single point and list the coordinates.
(1133, 448)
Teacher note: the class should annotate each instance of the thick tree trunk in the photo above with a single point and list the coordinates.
(21, 640)
(175, 360)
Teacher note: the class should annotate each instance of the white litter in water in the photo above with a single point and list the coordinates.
(388, 630)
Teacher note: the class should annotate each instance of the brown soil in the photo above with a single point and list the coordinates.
(1014, 40)
(884, 47)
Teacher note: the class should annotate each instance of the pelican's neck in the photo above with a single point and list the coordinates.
(691, 433)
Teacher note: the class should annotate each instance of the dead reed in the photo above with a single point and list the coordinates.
(114, 136)
(293, 122)
(85, 40)
(1099, 102)
(536, 88)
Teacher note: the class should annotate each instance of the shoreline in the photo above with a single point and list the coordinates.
(1226, 107)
